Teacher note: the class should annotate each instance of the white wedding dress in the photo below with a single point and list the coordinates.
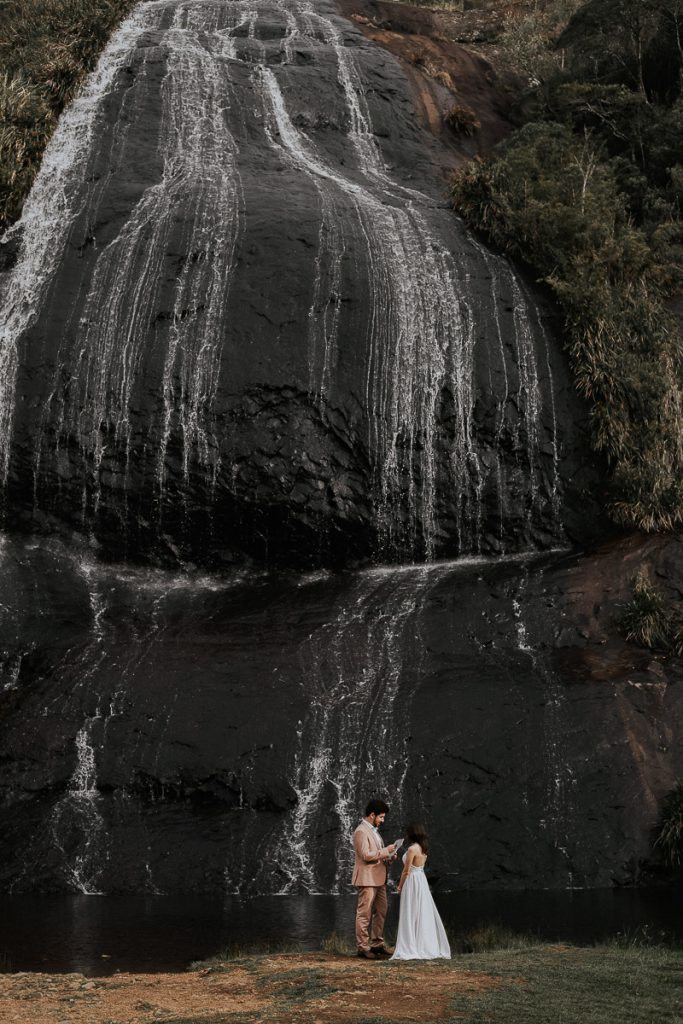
(421, 934)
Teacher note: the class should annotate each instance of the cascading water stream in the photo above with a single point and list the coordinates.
(154, 312)
(197, 152)
(52, 206)
(353, 743)
(556, 820)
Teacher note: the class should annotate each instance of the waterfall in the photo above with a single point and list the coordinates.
(560, 779)
(358, 671)
(242, 316)
(199, 181)
(51, 207)
(77, 826)
(187, 732)
(139, 388)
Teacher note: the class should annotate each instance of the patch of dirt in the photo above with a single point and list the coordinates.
(310, 988)
(125, 998)
(445, 73)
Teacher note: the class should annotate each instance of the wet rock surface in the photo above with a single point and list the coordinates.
(166, 733)
(251, 329)
(243, 332)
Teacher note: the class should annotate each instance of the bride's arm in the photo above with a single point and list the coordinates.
(407, 864)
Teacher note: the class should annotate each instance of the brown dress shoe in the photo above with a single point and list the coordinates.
(382, 951)
(368, 954)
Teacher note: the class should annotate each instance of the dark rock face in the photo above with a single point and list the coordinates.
(242, 323)
(200, 733)
(240, 328)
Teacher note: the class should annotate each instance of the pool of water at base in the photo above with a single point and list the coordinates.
(99, 935)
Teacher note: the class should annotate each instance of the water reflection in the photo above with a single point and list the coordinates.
(100, 935)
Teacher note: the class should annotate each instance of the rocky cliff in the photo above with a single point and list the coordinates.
(243, 323)
(178, 733)
(243, 335)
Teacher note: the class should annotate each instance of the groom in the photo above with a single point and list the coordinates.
(370, 879)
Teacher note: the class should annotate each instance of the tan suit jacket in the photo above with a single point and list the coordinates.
(369, 866)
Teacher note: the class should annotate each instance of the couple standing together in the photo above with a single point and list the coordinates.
(421, 934)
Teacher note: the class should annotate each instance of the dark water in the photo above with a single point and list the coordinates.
(100, 935)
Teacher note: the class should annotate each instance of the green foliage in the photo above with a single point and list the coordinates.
(549, 198)
(641, 143)
(337, 945)
(589, 193)
(488, 936)
(462, 120)
(611, 39)
(650, 620)
(529, 38)
(46, 48)
(638, 43)
(670, 828)
(244, 951)
(644, 936)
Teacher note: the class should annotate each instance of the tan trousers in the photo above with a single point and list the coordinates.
(372, 907)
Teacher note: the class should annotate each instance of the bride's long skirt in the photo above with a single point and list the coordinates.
(421, 934)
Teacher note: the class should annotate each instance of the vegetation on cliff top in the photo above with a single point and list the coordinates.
(46, 49)
(650, 620)
(588, 193)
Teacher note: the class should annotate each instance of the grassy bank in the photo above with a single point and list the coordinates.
(46, 49)
(577, 986)
(527, 985)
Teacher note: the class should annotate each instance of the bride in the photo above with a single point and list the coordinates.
(421, 934)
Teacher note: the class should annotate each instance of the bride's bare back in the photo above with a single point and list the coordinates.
(419, 859)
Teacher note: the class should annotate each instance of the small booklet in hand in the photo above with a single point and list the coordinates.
(398, 843)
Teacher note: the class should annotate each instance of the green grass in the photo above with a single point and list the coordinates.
(47, 47)
(298, 985)
(670, 827)
(488, 936)
(338, 945)
(635, 979)
(236, 951)
(645, 935)
(650, 620)
(600, 985)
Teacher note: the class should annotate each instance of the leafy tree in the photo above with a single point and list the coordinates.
(611, 38)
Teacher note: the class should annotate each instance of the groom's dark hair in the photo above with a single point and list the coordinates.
(376, 807)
